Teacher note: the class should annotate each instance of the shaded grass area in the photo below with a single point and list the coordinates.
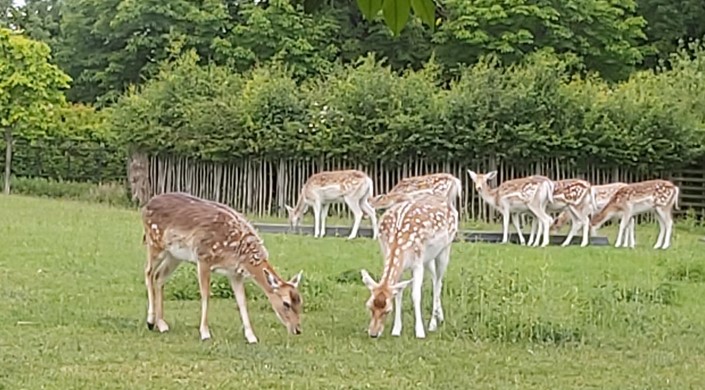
(73, 306)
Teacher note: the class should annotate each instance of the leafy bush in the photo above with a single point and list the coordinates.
(77, 146)
(111, 193)
(367, 113)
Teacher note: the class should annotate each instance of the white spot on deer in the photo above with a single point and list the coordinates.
(155, 227)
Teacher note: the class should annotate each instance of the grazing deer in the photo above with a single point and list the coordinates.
(574, 197)
(512, 197)
(660, 196)
(440, 184)
(601, 194)
(182, 228)
(413, 235)
(352, 186)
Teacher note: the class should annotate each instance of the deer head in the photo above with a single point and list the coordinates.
(286, 300)
(481, 179)
(380, 302)
(295, 215)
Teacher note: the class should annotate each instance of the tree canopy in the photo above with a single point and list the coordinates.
(30, 87)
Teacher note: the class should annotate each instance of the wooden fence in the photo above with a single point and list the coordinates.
(262, 188)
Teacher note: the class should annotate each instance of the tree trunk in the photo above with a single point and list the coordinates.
(8, 158)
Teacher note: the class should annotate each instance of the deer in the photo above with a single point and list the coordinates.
(512, 197)
(353, 187)
(415, 235)
(600, 194)
(182, 228)
(658, 196)
(575, 198)
(442, 184)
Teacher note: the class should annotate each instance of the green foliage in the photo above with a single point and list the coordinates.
(75, 144)
(30, 86)
(510, 29)
(365, 112)
(110, 193)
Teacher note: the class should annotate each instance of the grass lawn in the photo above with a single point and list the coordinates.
(73, 306)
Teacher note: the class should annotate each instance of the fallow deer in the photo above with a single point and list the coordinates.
(574, 197)
(440, 184)
(659, 196)
(414, 235)
(512, 197)
(601, 194)
(179, 228)
(351, 186)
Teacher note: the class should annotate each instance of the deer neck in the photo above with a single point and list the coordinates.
(393, 266)
(489, 195)
(601, 217)
(300, 206)
(257, 273)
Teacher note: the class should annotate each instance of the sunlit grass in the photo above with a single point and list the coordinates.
(72, 310)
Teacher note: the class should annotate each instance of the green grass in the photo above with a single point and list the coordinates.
(72, 309)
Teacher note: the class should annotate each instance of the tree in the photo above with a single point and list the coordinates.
(30, 86)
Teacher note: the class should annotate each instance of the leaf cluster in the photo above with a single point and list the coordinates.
(365, 112)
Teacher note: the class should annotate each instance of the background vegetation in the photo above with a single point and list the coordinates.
(606, 83)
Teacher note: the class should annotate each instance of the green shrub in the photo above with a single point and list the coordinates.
(111, 193)
(366, 113)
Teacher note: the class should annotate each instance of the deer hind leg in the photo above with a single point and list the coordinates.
(441, 263)
(370, 211)
(204, 285)
(153, 260)
(632, 239)
(544, 221)
(324, 215)
(665, 228)
(668, 218)
(238, 285)
(357, 214)
(161, 274)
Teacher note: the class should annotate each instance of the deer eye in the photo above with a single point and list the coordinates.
(287, 305)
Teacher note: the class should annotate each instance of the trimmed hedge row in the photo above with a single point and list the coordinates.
(366, 112)
(78, 145)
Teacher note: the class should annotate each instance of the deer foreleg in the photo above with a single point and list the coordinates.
(417, 274)
(204, 285)
(238, 285)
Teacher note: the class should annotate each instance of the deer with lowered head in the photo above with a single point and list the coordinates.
(180, 228)
(600, 194)
(353, 187)
(416, 235)
(658, 196)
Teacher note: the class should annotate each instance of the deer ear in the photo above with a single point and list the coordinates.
(491, 175)
(472, 174)
(399, 287)
(296, 279)
(271, 279)
(289, 208)
(367, 279)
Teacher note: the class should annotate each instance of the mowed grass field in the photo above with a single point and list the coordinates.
(73, 306)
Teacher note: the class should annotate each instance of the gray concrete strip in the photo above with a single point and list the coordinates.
(465, 235)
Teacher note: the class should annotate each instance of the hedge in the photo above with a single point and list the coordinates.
(78, 145)
(367, 113)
